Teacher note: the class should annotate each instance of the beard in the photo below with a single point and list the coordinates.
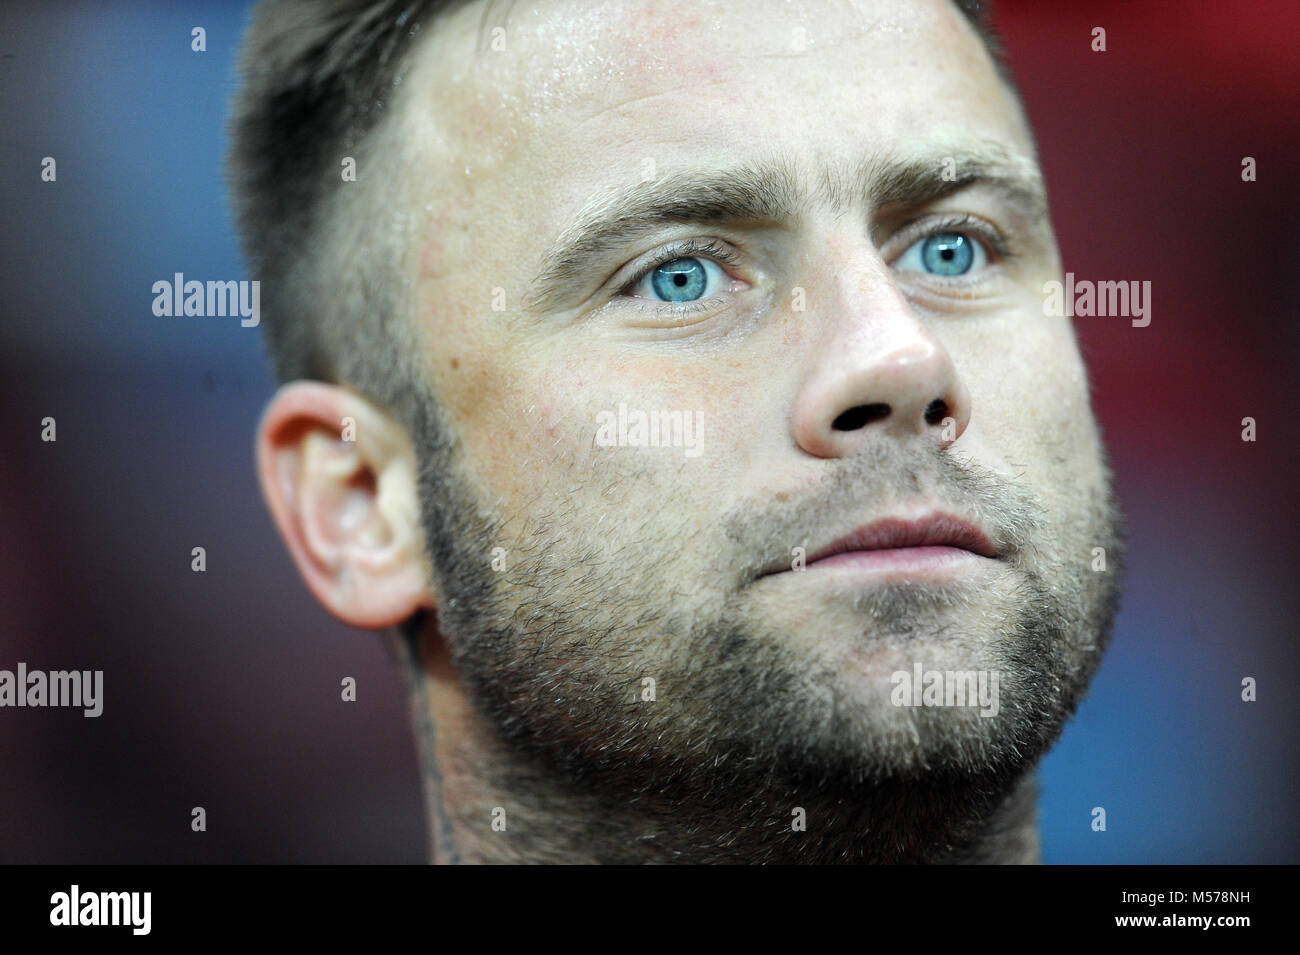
(648, 672)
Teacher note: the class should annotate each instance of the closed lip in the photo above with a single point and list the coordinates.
(934, 530)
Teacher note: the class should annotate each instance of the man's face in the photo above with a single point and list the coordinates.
(868, 343)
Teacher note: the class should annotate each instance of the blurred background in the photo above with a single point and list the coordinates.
(222, 688)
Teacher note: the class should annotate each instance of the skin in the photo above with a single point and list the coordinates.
(617, 564)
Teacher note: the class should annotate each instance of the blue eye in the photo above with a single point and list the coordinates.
(681, 280)
(687, 276)
(944, 254)
(947, 254)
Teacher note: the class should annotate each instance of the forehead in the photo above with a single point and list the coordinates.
(559, 100)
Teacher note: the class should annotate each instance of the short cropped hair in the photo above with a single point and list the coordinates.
(317, 82)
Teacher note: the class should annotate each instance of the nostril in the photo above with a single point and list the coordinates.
(860, 417)
(936, 411)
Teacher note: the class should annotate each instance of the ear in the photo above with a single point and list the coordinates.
(339, 476)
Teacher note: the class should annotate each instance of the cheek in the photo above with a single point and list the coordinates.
(1061, 381)
(1029, 393)
(1062, 436)
(512, 432)
(523, 417)
(547, 426)
(433, 259)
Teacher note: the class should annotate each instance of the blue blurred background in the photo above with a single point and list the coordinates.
(222, 688)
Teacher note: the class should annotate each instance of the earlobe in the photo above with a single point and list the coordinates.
(339, 478)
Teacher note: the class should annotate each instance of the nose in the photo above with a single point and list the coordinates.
(879, 373)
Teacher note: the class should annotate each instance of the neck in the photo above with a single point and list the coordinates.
(493, 802)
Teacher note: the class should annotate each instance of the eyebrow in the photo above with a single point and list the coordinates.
(767, 192)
